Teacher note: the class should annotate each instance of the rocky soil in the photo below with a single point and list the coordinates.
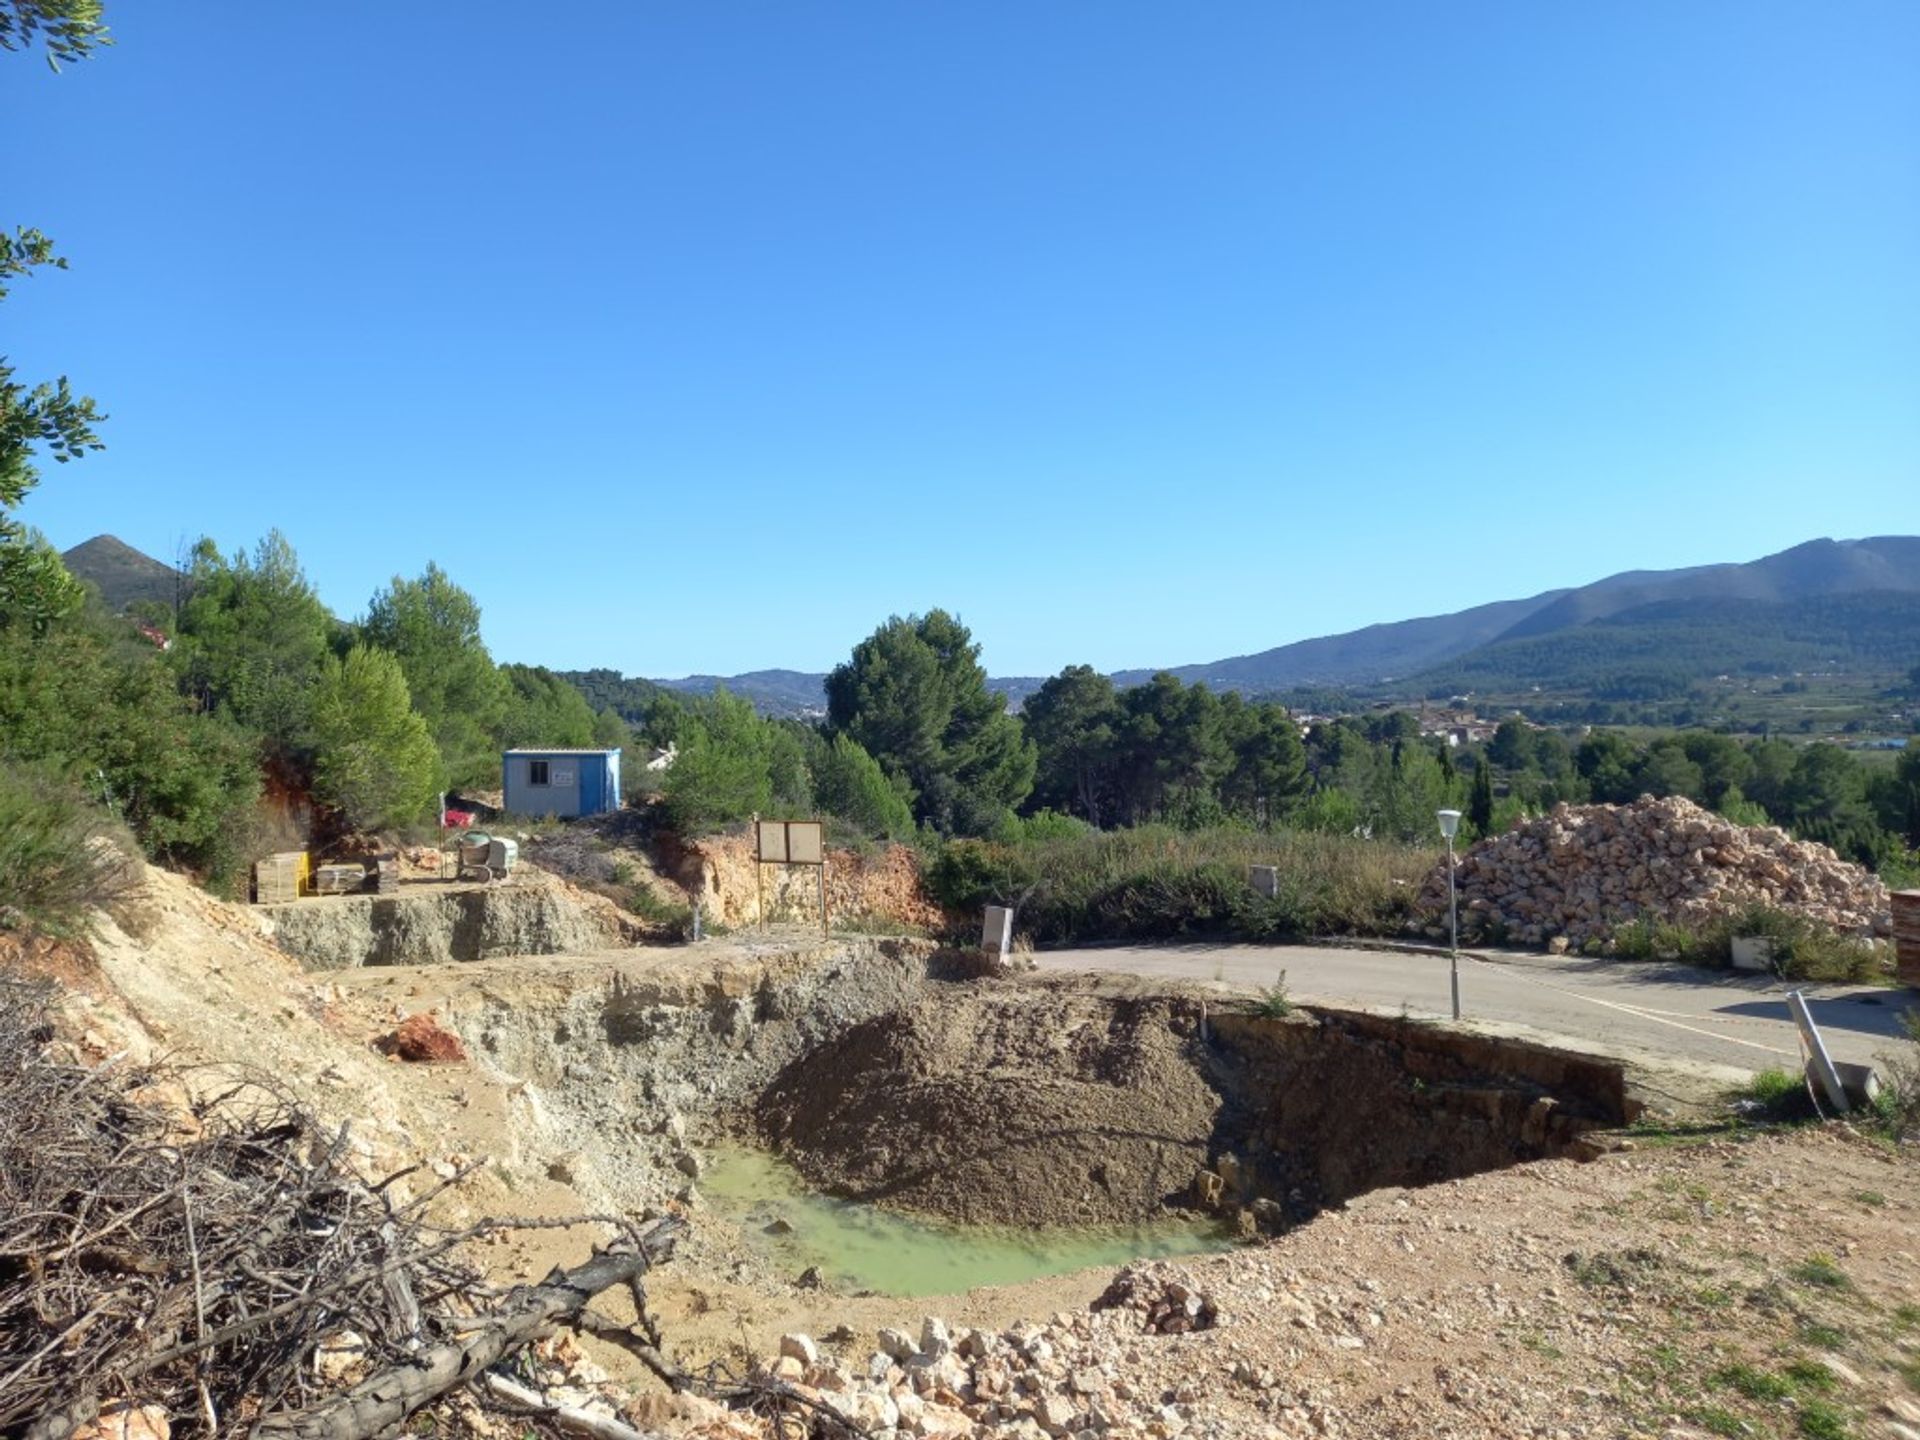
(531, 913)
(1583, 870)
(1740, 1287)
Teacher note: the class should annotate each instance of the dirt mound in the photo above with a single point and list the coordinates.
(995, 1105)
(1585, 869)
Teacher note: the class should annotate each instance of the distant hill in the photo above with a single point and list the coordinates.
(1660, 649)
(1381, 654)
(773, 692)
(1846, 604)
(122, 574)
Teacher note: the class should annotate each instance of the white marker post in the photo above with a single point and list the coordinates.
(996, 935)
(1820, 1062)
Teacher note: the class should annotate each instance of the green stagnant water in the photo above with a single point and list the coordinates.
(859, 1247)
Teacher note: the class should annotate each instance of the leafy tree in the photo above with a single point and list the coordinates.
(253, 639)
(374, 757)
(1171, 750)
(542, 709)
(36, 588)
(1265, 762)
(849, 783)
(1607, 762)
(1512, 746)
(432, 627)
(1664, 769)
(102, 708)
(1827, 785)
(914, 697)
(46, 416)
(1898, 797)
(724, 770)
(1771, 765)
(69, 29)
(1723, 763)
(1071, 720)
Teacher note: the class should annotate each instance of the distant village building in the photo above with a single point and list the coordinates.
(663, 759)
(565, 783)
(1456, 728)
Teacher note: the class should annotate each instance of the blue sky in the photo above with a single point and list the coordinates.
(705, 336)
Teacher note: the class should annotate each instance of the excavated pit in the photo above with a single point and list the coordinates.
(791, 1094)
(1050, 1104)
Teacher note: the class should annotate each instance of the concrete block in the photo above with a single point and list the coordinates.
(1861, 1082)
(996, 935)
(1752, 952)
(1265, 879)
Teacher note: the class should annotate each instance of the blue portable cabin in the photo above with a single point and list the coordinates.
(566, 783)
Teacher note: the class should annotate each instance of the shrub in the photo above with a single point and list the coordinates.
(1802, 949)
(1157, 881)
(56, 857)
(1900, 1094)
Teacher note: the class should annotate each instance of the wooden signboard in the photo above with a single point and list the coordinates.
(791, 842)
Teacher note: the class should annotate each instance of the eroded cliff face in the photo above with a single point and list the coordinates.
(533, 914)
(881, 885)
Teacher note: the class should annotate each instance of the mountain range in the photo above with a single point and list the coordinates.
(1849, 605)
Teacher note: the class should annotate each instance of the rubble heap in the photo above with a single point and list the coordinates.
(1585, 869)
(1079, 1373)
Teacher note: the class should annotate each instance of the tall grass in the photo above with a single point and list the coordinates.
(55, 859)
(1802, 949)
(1157, 882)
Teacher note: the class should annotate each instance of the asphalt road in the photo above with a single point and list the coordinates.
(1637, 1010)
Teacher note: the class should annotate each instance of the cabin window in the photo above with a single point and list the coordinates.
(537, 772)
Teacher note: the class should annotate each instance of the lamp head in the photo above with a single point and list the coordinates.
(1449, 824)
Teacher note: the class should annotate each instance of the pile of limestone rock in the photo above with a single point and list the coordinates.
(1079, 1374)
(1584, 870)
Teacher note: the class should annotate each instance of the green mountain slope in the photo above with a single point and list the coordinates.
(1663, 647)
(122, 574)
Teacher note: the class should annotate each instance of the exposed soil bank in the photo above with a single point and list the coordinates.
(434, 925)
(1048, 1103)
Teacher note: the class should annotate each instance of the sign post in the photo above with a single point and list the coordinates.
(790, 842)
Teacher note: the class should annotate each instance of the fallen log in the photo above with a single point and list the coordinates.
(566, 1417)
(384, 1401)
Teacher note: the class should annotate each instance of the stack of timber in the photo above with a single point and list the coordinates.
(339, 879)
(384, 877)
(1906, 935)
(283, 878)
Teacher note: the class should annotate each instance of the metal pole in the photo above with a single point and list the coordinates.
(1453, 930)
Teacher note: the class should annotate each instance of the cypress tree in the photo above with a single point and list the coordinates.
(1480, 800)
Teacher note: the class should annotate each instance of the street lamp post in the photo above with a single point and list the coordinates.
(1449, 827)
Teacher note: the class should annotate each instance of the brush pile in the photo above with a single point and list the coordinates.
(194, 1244)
